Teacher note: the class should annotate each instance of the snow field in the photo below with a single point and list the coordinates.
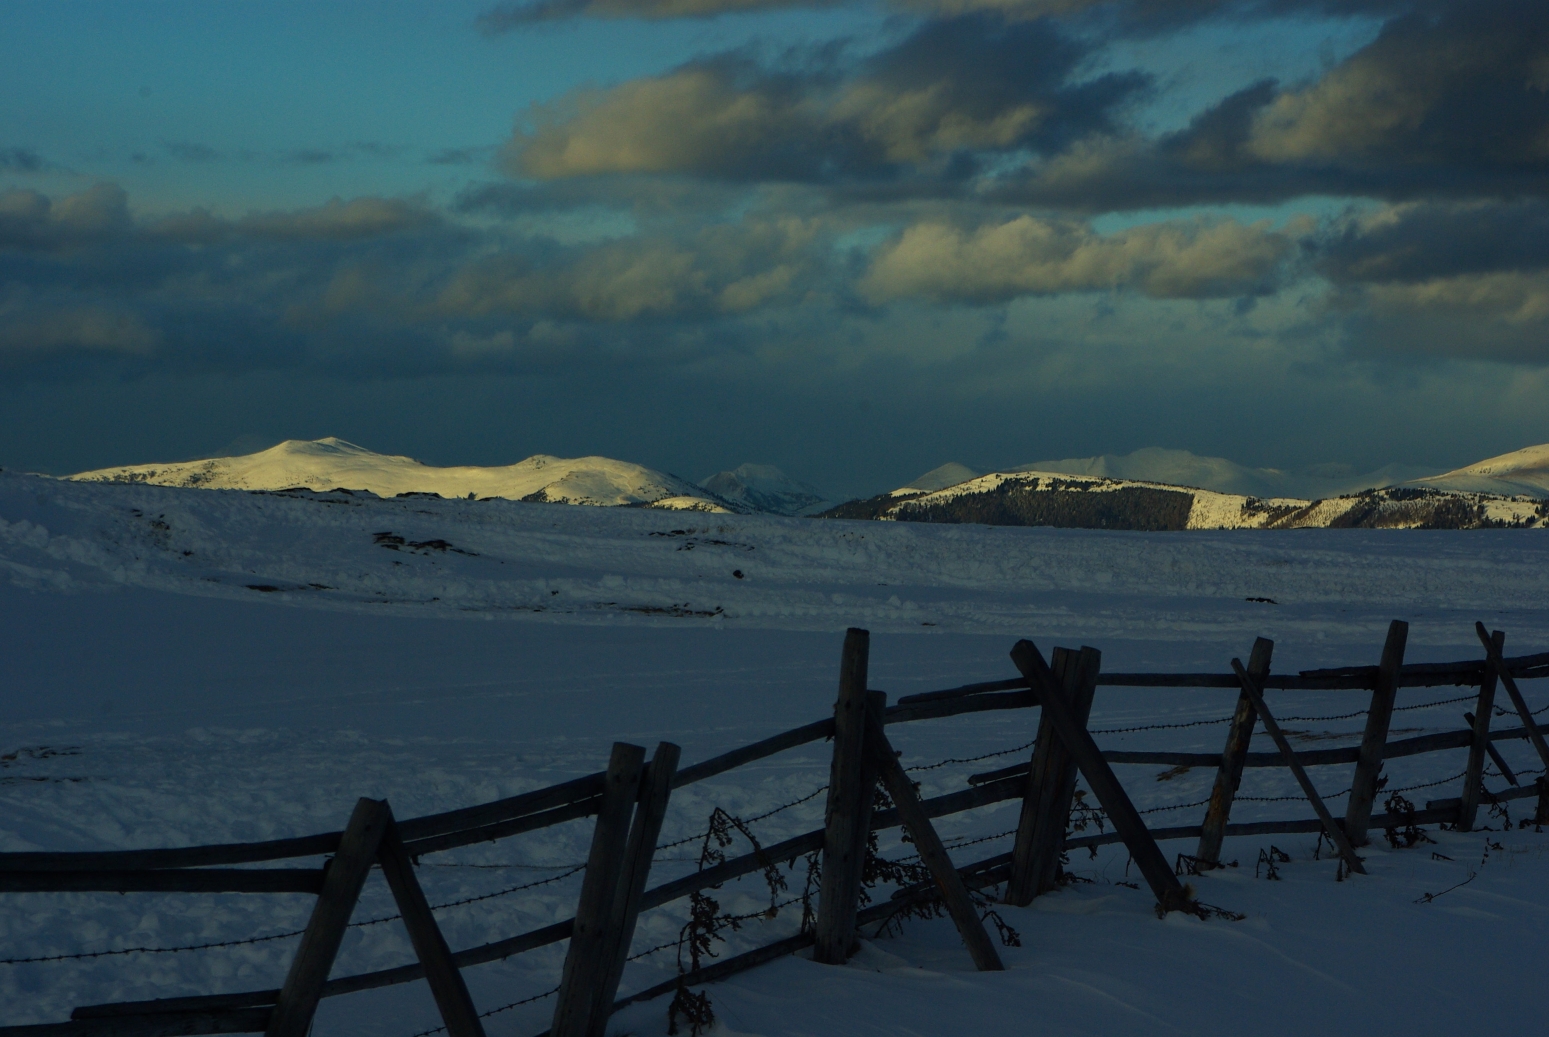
(152, 698)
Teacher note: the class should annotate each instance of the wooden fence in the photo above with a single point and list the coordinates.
(629, 800)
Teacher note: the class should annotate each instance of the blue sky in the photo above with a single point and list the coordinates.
(855, 241)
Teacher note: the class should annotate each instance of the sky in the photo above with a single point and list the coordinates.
(854, 240)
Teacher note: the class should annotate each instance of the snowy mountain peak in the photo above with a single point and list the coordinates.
(1524, 471)
(763, 487)
(949, 474)
(333, 463)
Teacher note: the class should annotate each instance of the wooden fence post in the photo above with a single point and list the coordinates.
(1541, 814)
(342, 883)
(1363, 788)
(446, 982)
(1229, 774)
(584, 966)
(932, 853)
(1051, 783)
(1493, 659)
(655, 788)
(1473, 775)
(1170, 895)
(1338, 836)
(852, 779)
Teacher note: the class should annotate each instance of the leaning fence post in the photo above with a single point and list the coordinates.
(954, 894)
(656, 786)
(852, 778)
(1229, 774)
(446, 982)
(584, 966)
(342, 883)
(1473, 775)
(1051, 783)
(1170, 894)
(1363, 789)
(1330, 827)
(1493, 659)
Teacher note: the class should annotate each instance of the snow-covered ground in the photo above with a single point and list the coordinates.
(191, 666)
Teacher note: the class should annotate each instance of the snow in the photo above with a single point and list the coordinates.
(763, 487)
(1524, 471)
(949, 474)
(331, 463)
(1211, 510)
(157, 697)
(1183, 468)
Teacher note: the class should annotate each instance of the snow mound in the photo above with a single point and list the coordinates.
(1521, 472)
(332, 463)
(763, 487)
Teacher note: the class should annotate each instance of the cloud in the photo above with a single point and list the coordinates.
(1130, 16)
(339, 220)
(91, 328)
(190, 151)
(20, 160)
(1419, 241)
(951, 89)
(1028, 255)
(1450, 101)
(1466, 279)
(510, 16)
(720, 269)
(30, 220)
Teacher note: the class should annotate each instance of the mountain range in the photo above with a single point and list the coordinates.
(1153, 488)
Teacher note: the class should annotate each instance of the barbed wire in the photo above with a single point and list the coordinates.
(281, 936)
(496, 1011)
(528, 867)
(746, 821)
(971, 759)
(1157, 727)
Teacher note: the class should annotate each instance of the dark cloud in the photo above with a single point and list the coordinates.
(190, 151)
(954, 89)
(20, 160)
(456, 156)
(310, 156)
(1447, 102)
(1421, 241)
(1460, 279)
(1121, 16)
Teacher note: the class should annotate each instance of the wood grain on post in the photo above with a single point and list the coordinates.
(1051, 783)
(932, 853)
(1105, 785)
(655, 788)
(1368, 768)
(584, 966)
(1494, 661)
(446, 982)
(346, 875)
(1337, 835)
(847, 818)
(1473, 774)
(1233, 757)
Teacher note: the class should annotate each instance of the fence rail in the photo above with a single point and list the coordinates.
(616, 889)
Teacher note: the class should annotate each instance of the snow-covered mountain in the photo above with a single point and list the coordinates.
(949, 474)
(1095, 502)
(331, 463)
(1182, 468)
(762, 487)
(1524, 472)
